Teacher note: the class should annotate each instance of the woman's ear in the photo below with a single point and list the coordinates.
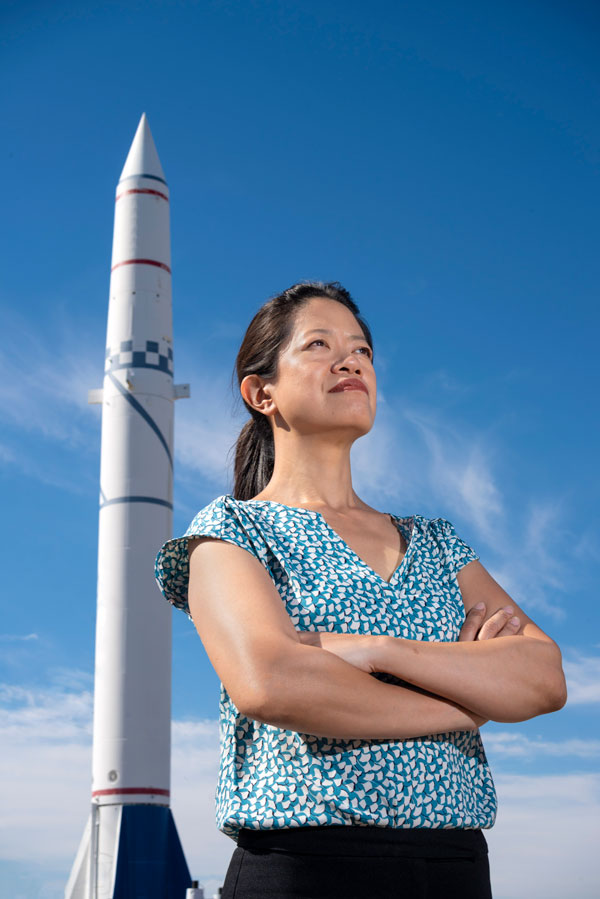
(257, 394)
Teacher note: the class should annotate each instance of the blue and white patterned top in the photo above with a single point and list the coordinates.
(270, 777)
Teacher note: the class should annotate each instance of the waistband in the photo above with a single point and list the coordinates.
(367, 840)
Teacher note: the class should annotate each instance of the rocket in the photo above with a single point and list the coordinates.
(130, 847)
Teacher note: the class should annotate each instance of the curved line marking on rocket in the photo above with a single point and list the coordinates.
(142, 262)
(137, 499)
(131, 790)
(137, 190)
(139, 408)
(154, 178)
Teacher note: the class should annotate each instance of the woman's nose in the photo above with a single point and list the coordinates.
(350, 363)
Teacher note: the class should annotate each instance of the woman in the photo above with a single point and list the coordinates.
(354, 646)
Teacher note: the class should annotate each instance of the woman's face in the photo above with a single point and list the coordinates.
(327, 346)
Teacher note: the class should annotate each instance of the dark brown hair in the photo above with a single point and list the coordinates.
(266, 336)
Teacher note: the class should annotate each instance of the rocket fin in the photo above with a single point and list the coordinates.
(138, 854)
(79, 881)
(150, 859)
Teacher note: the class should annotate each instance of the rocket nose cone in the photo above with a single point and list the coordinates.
(142, 158)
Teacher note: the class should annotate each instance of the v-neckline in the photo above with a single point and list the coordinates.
(395, 519)
(399, 567)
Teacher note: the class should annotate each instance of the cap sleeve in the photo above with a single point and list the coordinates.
(457, 552)
(172, 569)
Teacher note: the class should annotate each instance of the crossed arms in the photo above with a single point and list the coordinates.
(320, 683)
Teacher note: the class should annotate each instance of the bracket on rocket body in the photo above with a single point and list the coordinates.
(180, 392)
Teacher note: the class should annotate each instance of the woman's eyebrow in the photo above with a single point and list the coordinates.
(327, 331)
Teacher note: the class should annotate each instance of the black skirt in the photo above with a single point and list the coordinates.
(346, 862)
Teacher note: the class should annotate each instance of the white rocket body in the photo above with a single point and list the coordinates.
(132, 693)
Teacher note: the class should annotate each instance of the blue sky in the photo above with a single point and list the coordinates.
(441, 161)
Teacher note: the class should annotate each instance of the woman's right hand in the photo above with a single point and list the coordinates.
(502, 623)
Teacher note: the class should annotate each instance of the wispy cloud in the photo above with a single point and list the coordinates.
(507, 744)
(47, 424)
(440, 463)
(17, 638)
(583, 678)
(206, 429)
(458, 469)
(44, 381)
(529, 564)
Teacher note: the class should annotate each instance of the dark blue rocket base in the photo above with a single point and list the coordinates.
(150, 859)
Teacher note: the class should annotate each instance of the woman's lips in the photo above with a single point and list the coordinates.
(349, 384)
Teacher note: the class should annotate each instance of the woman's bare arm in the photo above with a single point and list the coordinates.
(273, 677)
(512, 679)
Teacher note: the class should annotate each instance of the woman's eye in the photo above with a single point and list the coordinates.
(367, 349)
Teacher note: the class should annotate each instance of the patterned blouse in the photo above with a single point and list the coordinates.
(270, 777)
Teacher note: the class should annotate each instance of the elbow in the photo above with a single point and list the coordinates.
(270, 707)
(551, 695)
(259, 703)
(254, 698)
(285, 690)
(548, 695)
(556, 696)
(265, 695)
(266, 710)
(555, 683)
(550, 691)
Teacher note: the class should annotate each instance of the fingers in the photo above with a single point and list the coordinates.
(472, 623)
(502, 623)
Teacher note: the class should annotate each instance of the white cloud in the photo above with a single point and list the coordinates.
(44, 384)
(195, 765)
(47, 716)
(531, 568)
(583, 678)
(506, 744)
(437, 463)
(17, 638)
(544, 844)
(542, 847)
(206, 429)
(381, 460)
(44, 379)
(45, 780)
(458, 469)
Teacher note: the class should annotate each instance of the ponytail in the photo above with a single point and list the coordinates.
(254, 457)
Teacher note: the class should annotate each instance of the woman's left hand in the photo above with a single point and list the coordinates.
(359, 650)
